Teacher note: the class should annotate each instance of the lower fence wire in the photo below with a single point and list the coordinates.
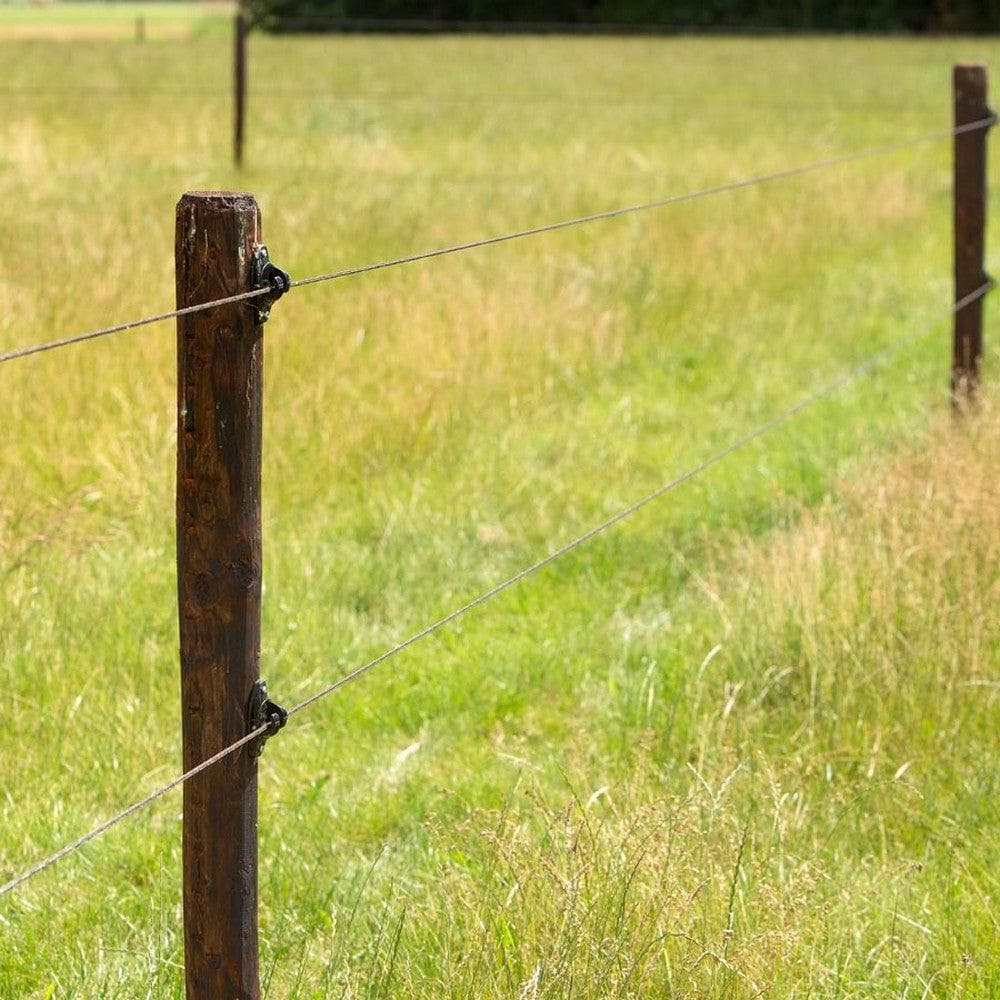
(783, 417)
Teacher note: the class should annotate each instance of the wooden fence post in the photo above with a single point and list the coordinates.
(219, 372)
(241, 29)
(969, 86)
(140, 29)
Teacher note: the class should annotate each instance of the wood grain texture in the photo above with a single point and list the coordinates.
(219, 354)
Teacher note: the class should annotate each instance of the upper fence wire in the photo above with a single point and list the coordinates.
(745, 182)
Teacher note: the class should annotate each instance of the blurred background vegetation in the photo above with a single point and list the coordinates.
(832, 15)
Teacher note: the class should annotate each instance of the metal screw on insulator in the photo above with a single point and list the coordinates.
(267, 275)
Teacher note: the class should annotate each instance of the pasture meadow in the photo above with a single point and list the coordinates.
(742, 745)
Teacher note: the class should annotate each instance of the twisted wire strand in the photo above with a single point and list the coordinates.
(628, 511)
(827, 390)
(75, 845)
(518, 234)
(77, 338)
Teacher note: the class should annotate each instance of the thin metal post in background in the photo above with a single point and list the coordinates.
(219, 404)
(969, 85)
(240, 32)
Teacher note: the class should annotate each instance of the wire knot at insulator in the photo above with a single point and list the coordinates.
(267, 276)
(263, 712)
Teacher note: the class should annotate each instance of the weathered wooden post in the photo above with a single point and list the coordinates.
(969, 85)
(140, 29)
(240, 32)
(219, 400)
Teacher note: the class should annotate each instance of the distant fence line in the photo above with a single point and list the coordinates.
(664, 102)
(226, 286)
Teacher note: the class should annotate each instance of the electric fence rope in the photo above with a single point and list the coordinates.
(783, 417)
(516, 235)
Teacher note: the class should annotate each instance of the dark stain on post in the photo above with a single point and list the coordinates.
(219, 354)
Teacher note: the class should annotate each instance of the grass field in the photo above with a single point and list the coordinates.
(93, 21)
(743, 745)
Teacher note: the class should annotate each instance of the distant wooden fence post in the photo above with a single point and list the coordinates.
(969, 86)
(219, 369)
(140, 29)
(241, 30)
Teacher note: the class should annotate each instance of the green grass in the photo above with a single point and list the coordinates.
(744, 742)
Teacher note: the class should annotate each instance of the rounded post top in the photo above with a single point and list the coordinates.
(199, 209)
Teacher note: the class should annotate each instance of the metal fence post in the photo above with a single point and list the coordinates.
(969, 86)
(219, 370)
(240, 32)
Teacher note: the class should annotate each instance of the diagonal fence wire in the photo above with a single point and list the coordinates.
(78, 338)
(781, 418)
(676, 199)
(551, 227)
